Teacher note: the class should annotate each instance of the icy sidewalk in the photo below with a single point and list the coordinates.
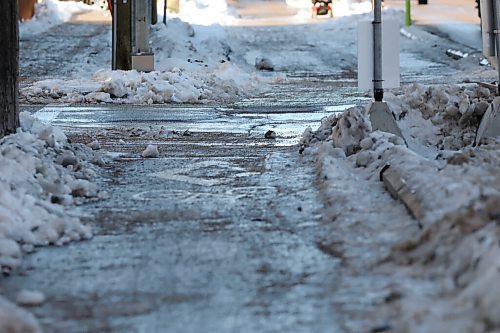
(435, 278)
(42, 176)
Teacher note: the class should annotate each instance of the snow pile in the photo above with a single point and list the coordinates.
(41, 174)
(224, 82)
(193, 65)
(151, 151)
(457, 188)
(453, 111)
(49, 13)
(16, 320)
(341, 8)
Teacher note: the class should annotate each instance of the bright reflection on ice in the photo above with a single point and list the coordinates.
(337, 108)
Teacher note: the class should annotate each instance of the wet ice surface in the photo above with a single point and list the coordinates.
(200, 260)
(255, 121)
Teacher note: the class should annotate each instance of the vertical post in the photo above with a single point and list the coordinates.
(122, 32)
(496, 24)
(9, 67)
(154, 12)
(378, 92)
(408, 13)
(142, 55)
(141, 15)
(165, 12)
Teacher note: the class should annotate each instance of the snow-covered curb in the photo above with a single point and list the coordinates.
(459, 188)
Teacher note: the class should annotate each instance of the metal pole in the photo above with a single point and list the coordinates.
(408, 13)
(142, 55)
(487, 28)
(141, 17)
(378, 92)
(496, 24)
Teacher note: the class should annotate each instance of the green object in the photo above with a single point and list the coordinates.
(408, 13)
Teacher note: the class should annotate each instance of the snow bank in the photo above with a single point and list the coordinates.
(49, 13)
(41, 174)
(193, 65)
(224, 82)
(458, 188)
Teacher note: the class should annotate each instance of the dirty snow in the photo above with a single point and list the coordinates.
(455, 251)
(42, 175)
(192, 65)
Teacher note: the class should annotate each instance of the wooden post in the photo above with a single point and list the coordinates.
(9, 67)
(122, 35)
(154, 12)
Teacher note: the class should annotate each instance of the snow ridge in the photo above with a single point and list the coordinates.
(442, 273)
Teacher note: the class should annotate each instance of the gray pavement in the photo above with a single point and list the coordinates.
(219, 234)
